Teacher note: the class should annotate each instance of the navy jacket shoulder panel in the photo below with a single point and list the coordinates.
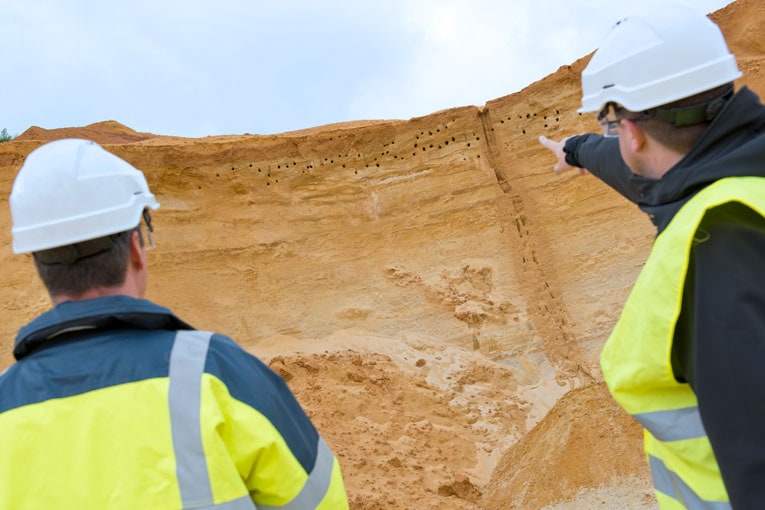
(81, 346)
(106, 313)
(252, 382)
(85, 362)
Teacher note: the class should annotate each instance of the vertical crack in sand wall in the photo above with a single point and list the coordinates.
(546, 310)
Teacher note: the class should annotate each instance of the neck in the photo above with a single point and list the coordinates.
(664, 166)
(122, 290)
(659, 160)
(133, 285)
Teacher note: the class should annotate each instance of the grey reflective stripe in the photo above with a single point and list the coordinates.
(316, 486)
(243, 503)
(187, 363)
(669, 483)
(674, 424)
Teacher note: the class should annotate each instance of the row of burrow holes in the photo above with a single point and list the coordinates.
(547, 118)
(418, 146)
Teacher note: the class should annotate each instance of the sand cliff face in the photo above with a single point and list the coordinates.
(428, 288)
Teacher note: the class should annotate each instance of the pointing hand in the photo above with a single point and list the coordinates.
(557, 149)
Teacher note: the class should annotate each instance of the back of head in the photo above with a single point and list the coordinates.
(660, 56)
(71, 204)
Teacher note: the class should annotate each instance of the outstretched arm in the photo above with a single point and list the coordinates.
(598, 155)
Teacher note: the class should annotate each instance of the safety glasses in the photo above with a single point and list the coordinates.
(609, 121)
(612, 115)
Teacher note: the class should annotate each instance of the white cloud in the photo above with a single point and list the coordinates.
(194, 68)
(471, 52)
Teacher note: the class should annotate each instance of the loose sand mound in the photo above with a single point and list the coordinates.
(559, 459)
(101, 132)
(435, 297)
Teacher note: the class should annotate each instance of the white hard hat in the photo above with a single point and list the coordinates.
(653, 59)
(72, 190)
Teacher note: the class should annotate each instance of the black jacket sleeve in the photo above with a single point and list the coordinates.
(720, 345)
(601, 157)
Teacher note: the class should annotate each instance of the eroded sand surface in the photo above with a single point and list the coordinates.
(435, 297)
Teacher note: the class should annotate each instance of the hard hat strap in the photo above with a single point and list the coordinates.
(691, 114)
(71, 253)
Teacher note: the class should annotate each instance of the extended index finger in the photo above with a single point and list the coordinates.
(549, 144)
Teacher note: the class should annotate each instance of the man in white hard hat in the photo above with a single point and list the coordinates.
(116, 403)
(686, 356)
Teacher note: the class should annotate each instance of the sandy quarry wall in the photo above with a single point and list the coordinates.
(427, 287)
(432, 227)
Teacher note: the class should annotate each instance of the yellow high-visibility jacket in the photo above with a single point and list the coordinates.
(637, 366)
(116, 403)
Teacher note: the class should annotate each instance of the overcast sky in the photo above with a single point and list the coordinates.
(196, 68)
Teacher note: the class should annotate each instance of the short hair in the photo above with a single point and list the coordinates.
(106, 268)
(681, 138)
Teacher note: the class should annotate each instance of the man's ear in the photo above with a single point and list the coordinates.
(137, 253)
(636, 136)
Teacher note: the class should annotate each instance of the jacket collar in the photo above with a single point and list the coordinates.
(105, 313)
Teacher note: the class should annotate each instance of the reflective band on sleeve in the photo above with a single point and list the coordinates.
(316, 486)
(187, 363)
(667, 482)
(674, 424)
(243, 503)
